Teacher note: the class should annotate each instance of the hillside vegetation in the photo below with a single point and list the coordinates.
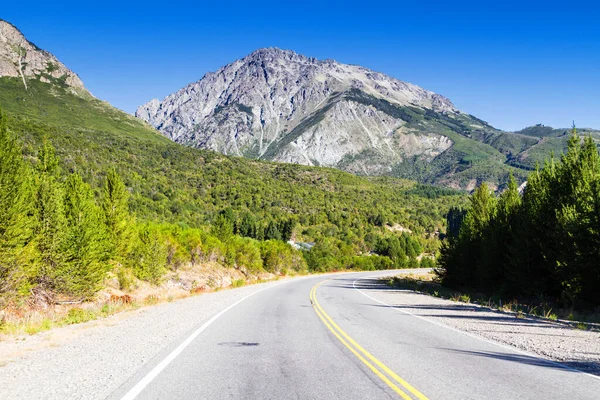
(173, 205)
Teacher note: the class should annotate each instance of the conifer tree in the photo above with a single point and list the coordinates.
(545, 243)
(272, 231)
(50, 221)
(85, 244)
(247, 225)
(16, 251)
(287, 228)
(149, 254)
(118, 220)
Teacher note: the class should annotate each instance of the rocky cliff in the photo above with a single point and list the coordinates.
(23, 59)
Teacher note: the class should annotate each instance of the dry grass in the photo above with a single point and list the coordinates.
(26, 320)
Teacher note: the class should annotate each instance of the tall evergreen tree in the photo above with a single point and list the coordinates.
(50, 221)
(16, 250)
(85, 244)
(578, 220)
(498, 238)
(247, 225)
(545, 243)
(272, 231)
(287, 228)
(119, 222)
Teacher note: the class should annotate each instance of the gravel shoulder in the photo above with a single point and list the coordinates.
(571, 347)
(91, 360)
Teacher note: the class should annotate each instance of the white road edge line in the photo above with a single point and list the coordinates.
(502, 345)
(141, 385)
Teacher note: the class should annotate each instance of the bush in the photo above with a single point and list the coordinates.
(427, 262)
(278, 256)
(247, 254)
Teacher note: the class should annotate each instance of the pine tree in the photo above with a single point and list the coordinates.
(509, 202)
(483, 207)
(578, 222)
(118, 220)
(85, 244)
(498, 239)
(462, 258)
(287, 228)
(16, 250)
(149, 254)
(247, 226)
(545, 243)
(272, 231)
(50, 221)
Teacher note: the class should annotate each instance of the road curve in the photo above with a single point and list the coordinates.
(325, 338)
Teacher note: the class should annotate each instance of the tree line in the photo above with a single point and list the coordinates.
(543, 243)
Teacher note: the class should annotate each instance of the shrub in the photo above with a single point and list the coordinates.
(247, 254)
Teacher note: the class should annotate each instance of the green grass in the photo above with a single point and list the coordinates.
(238, 282)
(58, 106)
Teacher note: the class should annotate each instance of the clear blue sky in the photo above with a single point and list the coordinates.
(511, 63)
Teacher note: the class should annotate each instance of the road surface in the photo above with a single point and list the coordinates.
(327, 338)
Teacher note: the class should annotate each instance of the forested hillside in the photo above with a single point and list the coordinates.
(175, 205)
(544, 244)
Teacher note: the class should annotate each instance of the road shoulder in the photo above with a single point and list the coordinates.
(573, 348)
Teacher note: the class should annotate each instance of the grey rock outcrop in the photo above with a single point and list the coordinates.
(278, 105)
(22, 59)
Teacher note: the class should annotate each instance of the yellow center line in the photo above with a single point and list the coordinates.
(337, 331)
(361, 358)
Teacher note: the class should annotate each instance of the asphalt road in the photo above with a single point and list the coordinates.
(326, 338)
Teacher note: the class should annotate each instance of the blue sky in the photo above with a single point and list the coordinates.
(513, 64)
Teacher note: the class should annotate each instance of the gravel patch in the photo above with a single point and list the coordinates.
(572, 347)
(91, 360)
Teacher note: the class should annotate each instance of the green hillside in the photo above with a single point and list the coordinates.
(169, 182)
(100, 192)
(480, 153)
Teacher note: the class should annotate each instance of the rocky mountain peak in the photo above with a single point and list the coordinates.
(270, 53)
(280, 105)
(22, 59)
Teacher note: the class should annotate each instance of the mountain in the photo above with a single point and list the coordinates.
(22, 59)
(278, 105)
(281, 106)
(188, 186)
(35, 85)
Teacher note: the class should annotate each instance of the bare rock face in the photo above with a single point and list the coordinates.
(21, 58)
(278, 105)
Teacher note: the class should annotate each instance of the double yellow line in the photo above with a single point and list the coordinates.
(397, 384)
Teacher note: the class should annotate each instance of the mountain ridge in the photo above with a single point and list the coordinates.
(263, 64)
(278, 105)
